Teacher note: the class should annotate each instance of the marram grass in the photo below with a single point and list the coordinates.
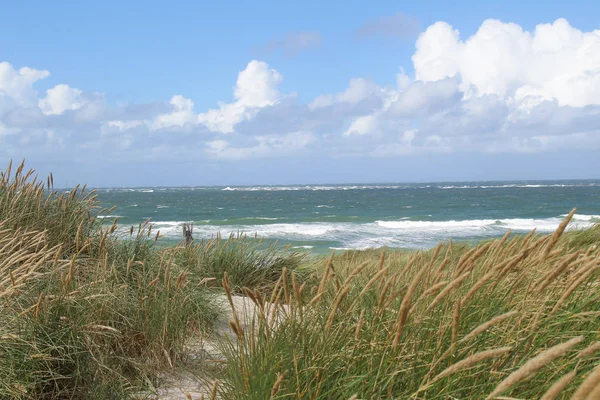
(517, 317)
(88, 315)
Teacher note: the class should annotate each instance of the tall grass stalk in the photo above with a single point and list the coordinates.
(394, 329)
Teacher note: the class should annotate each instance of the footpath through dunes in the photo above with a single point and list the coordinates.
(205, 351)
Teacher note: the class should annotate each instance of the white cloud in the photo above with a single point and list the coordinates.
(555, 61)
(17, 85)
(498, 89)
(256, 88)
(358, 90)
(501, 90)
(257, 85)
(403, 81)
(183, 113)
(363, 125)
(267, 146)
(60, 99)
(421, 98)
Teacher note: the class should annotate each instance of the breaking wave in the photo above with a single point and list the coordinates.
(397, 233)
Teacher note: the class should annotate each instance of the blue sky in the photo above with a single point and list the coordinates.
(150, 93)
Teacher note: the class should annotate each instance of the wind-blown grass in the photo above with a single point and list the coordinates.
(452, 322)
(88, 315)
(247, 261)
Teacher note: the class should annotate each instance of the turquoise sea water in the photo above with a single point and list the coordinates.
(320, 218)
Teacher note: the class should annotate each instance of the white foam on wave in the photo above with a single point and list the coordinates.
(408, 186)
(474, 225)
(584, 217)
(399, 233)
(517, 185)
(313, 187)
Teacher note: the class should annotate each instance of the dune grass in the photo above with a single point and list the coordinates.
(247, 261)
(86, 314)
(517, 317)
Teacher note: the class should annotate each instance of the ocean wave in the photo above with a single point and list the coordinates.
(473, 225)
(466, 185)
(402, 233)
(517, 185)
(313, 187)
(394, 186)
(585, 217)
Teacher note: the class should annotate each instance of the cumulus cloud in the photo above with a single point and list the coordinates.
(256, 88)
(16, 86)
(60, 99)
(424, 98)
(182, 113)
(503, 89)
(293, 43)
(556, 61)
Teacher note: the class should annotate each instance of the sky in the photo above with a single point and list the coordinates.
(155, 93)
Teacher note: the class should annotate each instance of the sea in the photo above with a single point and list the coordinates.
(320, 219)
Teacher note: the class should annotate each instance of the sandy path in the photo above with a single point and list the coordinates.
(181, 383)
